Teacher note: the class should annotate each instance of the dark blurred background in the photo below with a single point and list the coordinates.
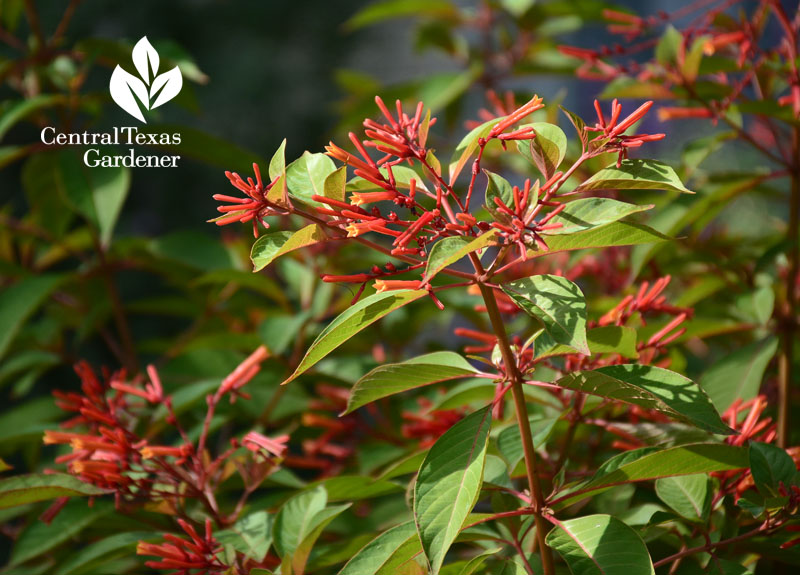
(272, 69)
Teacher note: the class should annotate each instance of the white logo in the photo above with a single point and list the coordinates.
(126, 88)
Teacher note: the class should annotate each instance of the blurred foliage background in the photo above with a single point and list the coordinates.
(159, 284)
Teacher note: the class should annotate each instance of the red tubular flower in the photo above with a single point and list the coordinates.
(245, 371)
(257, 443)
(430, 426)
(666, 113)
(389, 285)
(252, 208)
(526, 109)
(198, 555)
(722, 40)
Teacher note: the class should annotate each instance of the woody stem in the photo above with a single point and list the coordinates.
(515, 377)
(789, 323)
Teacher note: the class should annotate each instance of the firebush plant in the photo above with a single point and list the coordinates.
(466, 362)
(496, 478)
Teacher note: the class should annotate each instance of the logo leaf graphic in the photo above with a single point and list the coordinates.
(169, 84)
(144, 53)
(123, 86)
(126, 88)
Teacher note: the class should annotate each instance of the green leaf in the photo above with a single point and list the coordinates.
(601, 545)
(305, 177)
(39, 537)
(557, 303)
(386, 552)
(19, 301)
(355, 318)
(11, 113)
(590, 213)
(615, 234)
(278, 331)
(738, 375)
(448, 251)
(606, 339)
(771, 466)
(652, 388)
(579, 125)
(477, 561)
(469, 145)
(391, 9)
(402, 177)
(386, 380)
(295, 563)
(335, 184)
(613, 339)
(355, 487)
(652, 463)
(295, 520)
(251, 535)
(547, 150)
(687, 495)
(269, 247)
(109, 189)
(635, 175)
(669, 46)
(448, 484)
(204, 147)
(96, 193)
(277, 165)
(509, 441)
(105, 549)
(498, 187)
(193, 249)
(22, 489)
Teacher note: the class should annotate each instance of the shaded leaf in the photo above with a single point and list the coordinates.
(687, 495)
(107, 549)
(771, 466)
(652, 388)
(251, 535)
(19, 301)
(738, 375)
(652, 463)
(39, 537)
(22, 489)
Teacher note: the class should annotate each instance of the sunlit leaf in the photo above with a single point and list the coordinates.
(355, 318)
(557, 303)
(388, 379)
(600, 545)
(448, 484)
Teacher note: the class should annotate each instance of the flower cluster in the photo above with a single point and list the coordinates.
(730, 31)
(113, 453)
(199, 554)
